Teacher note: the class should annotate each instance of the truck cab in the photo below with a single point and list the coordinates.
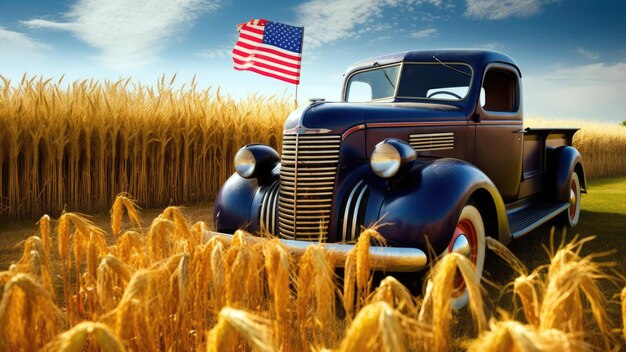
(431, 143)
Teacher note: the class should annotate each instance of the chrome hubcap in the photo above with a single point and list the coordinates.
(462, 246)
(572, 198)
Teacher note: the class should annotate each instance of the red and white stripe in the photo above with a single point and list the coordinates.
(252, 55)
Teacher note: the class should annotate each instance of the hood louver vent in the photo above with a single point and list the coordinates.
(432, 141)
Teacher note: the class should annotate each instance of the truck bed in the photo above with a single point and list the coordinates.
(537, 141)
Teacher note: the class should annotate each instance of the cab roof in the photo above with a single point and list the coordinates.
(474, 57)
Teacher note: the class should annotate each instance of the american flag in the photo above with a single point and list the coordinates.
(269, 48)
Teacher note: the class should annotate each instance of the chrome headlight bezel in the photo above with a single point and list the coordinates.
(245, 163)
(385, 160)
(256, 161)
(390, 157)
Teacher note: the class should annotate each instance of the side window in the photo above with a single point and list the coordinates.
(359, 92)
(499, 92)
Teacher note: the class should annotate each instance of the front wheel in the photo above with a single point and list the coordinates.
(468, 240)
(572, 214)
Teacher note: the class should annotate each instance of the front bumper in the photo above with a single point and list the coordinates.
(395, 259)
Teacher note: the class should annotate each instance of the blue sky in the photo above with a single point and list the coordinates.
(572, 53)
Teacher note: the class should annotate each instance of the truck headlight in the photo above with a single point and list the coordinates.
(256, 160)
(390, 156)
(245, 163)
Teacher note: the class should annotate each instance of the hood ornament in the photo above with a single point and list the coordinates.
(305, 130)
(300, 129)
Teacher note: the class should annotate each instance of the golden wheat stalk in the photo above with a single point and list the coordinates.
(123, 201)
(513, 336)
(437, 305)
(315, 301)
(234, 323)
(218, 286)
(45, 233)
(242, 267)
(134, 321)
(377, 327)
(278, 268)
(396, 295)
(78, 339)
(569, 279)
(28, 316)
(129, 248)
(35, 261)
(112, 275)
(530, 289)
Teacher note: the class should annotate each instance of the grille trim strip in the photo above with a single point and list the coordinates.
(269, 206)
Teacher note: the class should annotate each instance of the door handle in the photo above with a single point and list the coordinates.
(523, 131)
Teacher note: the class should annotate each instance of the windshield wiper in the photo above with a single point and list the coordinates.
(376, 64)
(450, 67)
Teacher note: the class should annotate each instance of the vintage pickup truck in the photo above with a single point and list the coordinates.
(430, 141)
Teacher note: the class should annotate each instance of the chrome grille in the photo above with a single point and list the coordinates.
(307, 181)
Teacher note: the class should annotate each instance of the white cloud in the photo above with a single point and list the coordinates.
(425, 33)
(214, 53)
(11, 41)
(587, 91)
(499, 9)
(128, 33)
(491, 46)
(328, 21)
(590, 55)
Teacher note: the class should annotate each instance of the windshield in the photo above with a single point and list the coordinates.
(437, 81)
(433, 81)
(378, 83)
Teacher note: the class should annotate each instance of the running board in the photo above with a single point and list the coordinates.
(522, 221)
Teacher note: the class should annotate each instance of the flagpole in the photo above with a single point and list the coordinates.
(301, 61)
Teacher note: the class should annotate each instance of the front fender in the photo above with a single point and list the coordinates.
(423, 209)
(238, 203)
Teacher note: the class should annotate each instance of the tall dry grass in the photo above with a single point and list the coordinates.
(200, 291)
(79, 144)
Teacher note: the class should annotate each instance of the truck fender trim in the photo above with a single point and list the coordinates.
(354, 211)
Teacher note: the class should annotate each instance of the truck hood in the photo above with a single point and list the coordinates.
(336, 118)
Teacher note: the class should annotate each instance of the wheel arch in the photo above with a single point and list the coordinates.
(239, 203)
(563, 162)
(486, 205)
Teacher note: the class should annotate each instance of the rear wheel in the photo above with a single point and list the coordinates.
(469, 240)
(572, 214)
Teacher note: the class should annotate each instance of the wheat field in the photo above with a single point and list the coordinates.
(176, 286)
(79, 145)
(76, 145)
